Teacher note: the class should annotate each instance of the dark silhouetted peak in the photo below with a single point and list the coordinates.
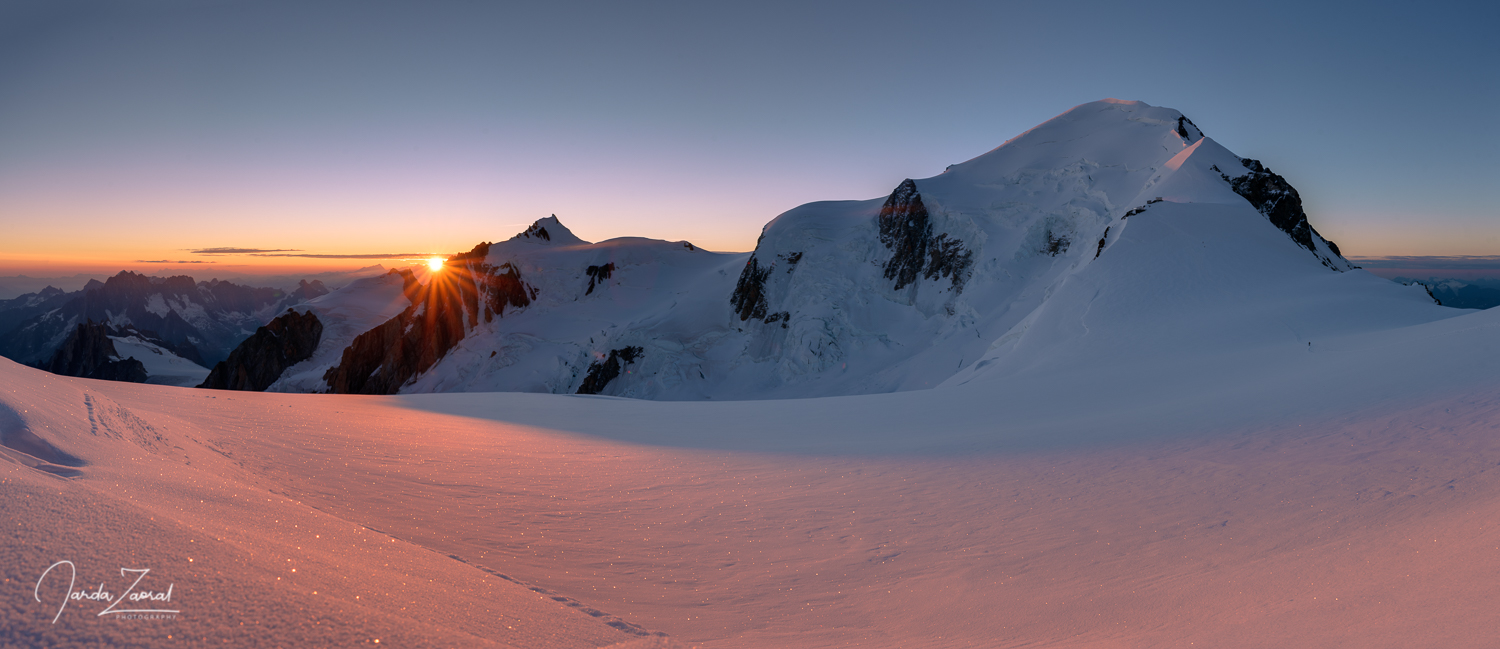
(88, 352)
(258, 361)
(50, 291)
(308, 290)
(479, 252)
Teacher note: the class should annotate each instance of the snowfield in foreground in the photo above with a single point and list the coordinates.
(1349, 502)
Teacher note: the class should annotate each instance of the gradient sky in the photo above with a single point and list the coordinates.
(145, 130)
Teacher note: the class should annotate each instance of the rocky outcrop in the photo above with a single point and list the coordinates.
(258, 361)
(468, 291)
(749, 297)
(1274, 197)
(537, 231)
(598, 274)
(906, 230)
(1183, 124)
(603, 371)
(89, 353)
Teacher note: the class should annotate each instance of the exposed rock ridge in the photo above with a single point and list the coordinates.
(89, 353)
(1274, 197)
(598, 274)
(1183, 123)
(749, 297)
(258, 361)
(468, 291)
(602, 372)
(906, 229)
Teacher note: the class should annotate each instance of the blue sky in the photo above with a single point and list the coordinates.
(132, 129)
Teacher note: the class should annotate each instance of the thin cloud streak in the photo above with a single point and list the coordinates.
(399, 255)
(171, 261)
(240, 251)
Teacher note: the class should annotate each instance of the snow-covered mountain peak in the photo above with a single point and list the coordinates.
(548, 231)
(893, 293)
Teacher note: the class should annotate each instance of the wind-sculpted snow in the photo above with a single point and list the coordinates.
(97, 480)
(1172, 441)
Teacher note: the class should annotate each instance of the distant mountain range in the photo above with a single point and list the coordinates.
(175, 322)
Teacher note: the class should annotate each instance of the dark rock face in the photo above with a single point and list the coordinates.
(289, 339)
(1274, 197)
(947, 258)
(749, 297)
(453, 302)
(598, 274)
(1102, 239)
(1183, 124)
(906, 229)
(89, 353)
(602, 372)
(537, 231)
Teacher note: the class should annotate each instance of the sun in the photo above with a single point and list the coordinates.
(435, 264)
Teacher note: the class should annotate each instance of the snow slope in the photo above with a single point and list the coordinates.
(658, 295)
(1255, 495)
(162, 366)
(109, 475)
